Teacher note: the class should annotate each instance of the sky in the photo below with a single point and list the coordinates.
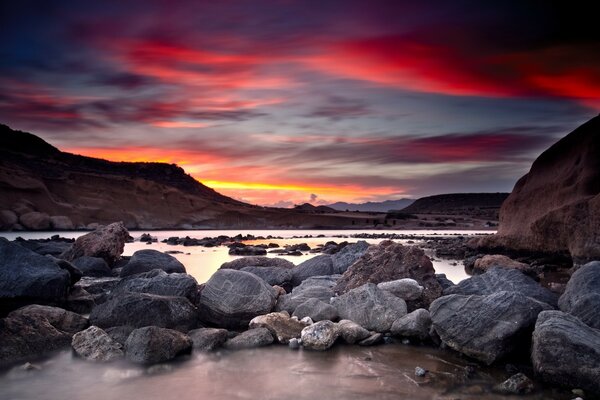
(285, 102)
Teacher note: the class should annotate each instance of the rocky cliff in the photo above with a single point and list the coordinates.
(555, 208)
(43, 188)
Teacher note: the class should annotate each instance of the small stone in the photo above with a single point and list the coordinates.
(294, 344)
(307, 320)
(420, 371)
(375, 338)
(578, 392)
(516, 384)
(30, 367)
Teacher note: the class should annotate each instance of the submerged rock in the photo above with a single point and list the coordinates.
(320, 335)
(151, 344)
(148, 260)
(106, 242)
(207, 339)
(582, 295)
(251, 338)
(280, 324)
(94, 344)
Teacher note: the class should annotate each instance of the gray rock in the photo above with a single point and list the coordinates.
(344, 258)
(59, 318)
(486, 328)
(320, 335)
(444, 282)
(208, 339)
(516, 384)
(582, 294)
(92, 266)
(498, 279)
(316, 266)
(370, 307)
(280, 324)
(247, 251)
(312, 288)
(96, 345)
(258, 261)
(151, 345)
(372, 340)
(106, 242)
(230, 298)
(35, 221)
(8, 219)
(98, 285)
(119, 333)
(414, 325)
(272, 275)
(420, 372)
(61, 223)
(351, 332)
(148, 260)
(141, 309)
(566, 351)
(406, 289)
(29, 276)
(257, 337)
(317, 310)
(161, 283)
(294, 344)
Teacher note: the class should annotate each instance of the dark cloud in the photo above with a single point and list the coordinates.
(338, 108)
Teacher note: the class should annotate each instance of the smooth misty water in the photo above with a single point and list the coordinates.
(274, 372)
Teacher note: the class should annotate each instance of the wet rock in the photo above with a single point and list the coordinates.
(272, 275)
(348, 255)
(61, 223)
(316, 266)
(208, 339)
(92, 266)
(280, 324)
(312, 288)
(141, 309)
(444, 281)
(351, 332)
(80, 301)
(501, 279)
(151, 344)
(370, 307)
(374, 339)
(496, 260)
(106, 242)
(406, 289)
(148, 260)
(516, 384)
(486, 328)
(414, 325)
(54, 246)
(59, 318)
(582, 295)
(247, 251)
(391, 261)
(320, 335)
(94, 344)
(566, 351)
(257, 337)
(317, 310)
(294, 344)
(230, 298)
(119, 333)
(270, 262)
(161, 283)
(35, 221)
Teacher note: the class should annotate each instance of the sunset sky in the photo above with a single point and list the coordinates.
(283, 102)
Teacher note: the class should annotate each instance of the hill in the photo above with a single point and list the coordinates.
(382, 206)
(481, 205)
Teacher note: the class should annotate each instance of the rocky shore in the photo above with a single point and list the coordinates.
(146, 309)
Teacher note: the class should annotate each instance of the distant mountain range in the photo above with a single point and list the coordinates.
(383, 206)
(484, 205)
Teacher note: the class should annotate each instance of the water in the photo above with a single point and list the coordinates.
(274, 372)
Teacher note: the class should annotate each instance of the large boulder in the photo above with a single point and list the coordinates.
(230, 298)
(161, 283)
(501, 279)
(8, 219)
(316, 266)
(61, 223)
(35, 221)
(94, 344)
(320, 335)
(92, 266)
(555, 208)
(54, 247)
(256, 337)
(370, 307)
(566, 351)
(316, 310)
(106, 242)
(415, 325)
(280, 324)
(26, 276)
(141, 309)
(151, 345)
(63, 320)
(582, 295)
(272, 275)
(390, 261)
(348, 255)
(486, 328)
(319, 288)
(148, 260)
(257, 261)
(406, 289)
(207, 339)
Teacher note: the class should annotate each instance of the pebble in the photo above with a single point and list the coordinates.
(294, 344)
(420, 371)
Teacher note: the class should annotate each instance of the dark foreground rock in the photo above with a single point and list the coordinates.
(94, 344)
(415, 325)
(151, 344)
(92, 266)
(140, 309)
(251, 338)
(516, 384)
(316, 266)
(320, 335)
(161, 283)
(319, 288)
(391, 261)
(106, 242)
(148, 260)
(230, 299)
(59, 318)
(486, 328)
(370, 307)
(257, 261)
(348, 255)
(207, 339)
(501, 279)
(582, 295)
(272, 275)
(566, 351)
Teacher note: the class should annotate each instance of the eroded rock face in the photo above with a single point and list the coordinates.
(320, 336)
(555, 208)
(582, 295)
(390, 261)
(148, 260)
(151, 344)
(96, 345)
(106, 242)
(280, 324)
(566, 351)
(486, 328)
(230, 298)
